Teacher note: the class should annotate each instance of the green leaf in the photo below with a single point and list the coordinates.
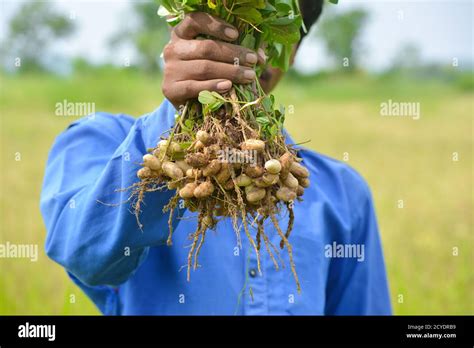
(250, 14)
(189, 124)
(269, 8)
(267, 104)
(285, 34)
(218, 96)
(281, 60)
(283, 8)
(260, 4)
(262, 119)
(248, 41)
(215, 106)
(206, 98)
(185, 145)
(273, 130)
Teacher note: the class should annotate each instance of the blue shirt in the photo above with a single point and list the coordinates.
(127, 271)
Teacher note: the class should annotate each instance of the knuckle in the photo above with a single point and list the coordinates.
(207, 48)
(168, 70)
(237, 72)
(178, 30)
(185, 27)
(182, 92)
(204, 68)
(189, 22)
(186, 90)
(169, 51)
(165, 89)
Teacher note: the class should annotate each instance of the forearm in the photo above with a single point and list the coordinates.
(102, 243)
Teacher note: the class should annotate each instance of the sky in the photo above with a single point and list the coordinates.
(442, 29)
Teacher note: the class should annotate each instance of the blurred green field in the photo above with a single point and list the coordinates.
(402, 159)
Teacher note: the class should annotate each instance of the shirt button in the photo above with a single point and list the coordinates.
(253, 272)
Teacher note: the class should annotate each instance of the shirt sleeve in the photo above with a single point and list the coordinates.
(358, 285)
(97, 243)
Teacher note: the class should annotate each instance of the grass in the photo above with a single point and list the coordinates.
(402, 159)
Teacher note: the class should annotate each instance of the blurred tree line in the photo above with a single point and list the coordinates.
(148, 36)
(341, 36)
(31, 33)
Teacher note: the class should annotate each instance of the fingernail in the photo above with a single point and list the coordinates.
(251, 58)
(224, 86)
(249, 74)
(231, 33)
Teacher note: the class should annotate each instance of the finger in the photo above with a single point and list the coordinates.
(199, 23)
(185, 90)
(214, 50)
(207, 70)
